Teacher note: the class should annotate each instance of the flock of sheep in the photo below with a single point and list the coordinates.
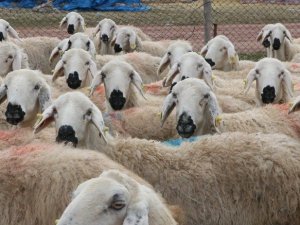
(154, 133)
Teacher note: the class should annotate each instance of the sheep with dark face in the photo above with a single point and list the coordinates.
(7, 30)
(74, 23)
(220, 53)
(273, 82)
(27, 93)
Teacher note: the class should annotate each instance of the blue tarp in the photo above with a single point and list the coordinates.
(68, 5)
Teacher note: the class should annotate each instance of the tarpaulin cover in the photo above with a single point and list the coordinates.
(68, 5)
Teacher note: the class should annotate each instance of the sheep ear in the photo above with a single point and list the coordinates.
(137, 214)
(213, 110)
(137, 82)
(67, 46)
(207, 75)
(58, 70)
(171, 75)
(296, 105)
(168, 106)
(82, 24)
(133, 41)
(287, 84)
(44, 97)
(97, 120)
(204, 50)
(232, 55)
(54, 54)
(164, 62)
(91, 48)
(92, 68)
(17, 63)
(97, 30)
(46, 118)
(63, 22)
(2, 93)
(97, 80)
(250, 78)
(288, 34)
(113, 41)
(13, 33)
(259, 36)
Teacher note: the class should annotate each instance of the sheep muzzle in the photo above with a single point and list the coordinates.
(276, 44)
(71, 29)
(104, 38)
(73, 80)
(117, 100)
(268, 95)
(14, 114)
(66, 134)
(185, 126)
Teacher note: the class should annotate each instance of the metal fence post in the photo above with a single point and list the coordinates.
(207, 20)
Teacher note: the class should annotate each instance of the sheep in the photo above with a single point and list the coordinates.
(27, 93)
(173, 53)
(264, 39)
(207, 117)
(80, 40)
(189, 65)
(74, 23)
(121, 83)
(126, 40)
(220, 53)
(295, 105)
(116, 197)
(12, 58)
(78, 68)
(273, 82)
(212, 186)
(7, 30)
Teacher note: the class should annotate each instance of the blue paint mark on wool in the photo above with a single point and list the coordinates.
(178, 141)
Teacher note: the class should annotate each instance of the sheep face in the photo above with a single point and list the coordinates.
(74, 23)
(7, 30)
(117, 77)
(81, 41)
(273, 81)
(77, 66)
(278, 34)
(10, 58)
(196, 107)
(107, 28)
(174, 52)
(264, 35)
(72, 112)
(27, 93)
(125, 40)
(219, 52)
(190, 65)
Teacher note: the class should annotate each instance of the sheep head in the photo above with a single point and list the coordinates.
(7, 30)
(118, 76)
(126, 40)
(77, 66)
(74, 23)
(196, 108)
(273, 81)
(189, 65)
(278, 35)
(264, 35)
(27, 93)
(106, 29)
(72, 113)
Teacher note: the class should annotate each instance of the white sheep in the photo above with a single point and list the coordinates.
(7, 30)
(27, 94)
(74, 23)
(78, 68)
(189, 65)
(116, 198)
(264, 38)
(127, 40)
(206, 168)
(12, 58)
(121, 83)
(220, 53)
(273, 82)
(173, 53)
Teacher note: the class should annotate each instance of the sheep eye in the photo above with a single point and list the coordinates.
(10, 56)
(89, 112)
(113, 27)
(206, 95)
(7, 27)
(257, 71)
(5, 86)
(189, 50)
(103, 75)
(87, 63)
(200, 65)
(64, 62)
(118, 205)
(169, 53)
(128, 35)
(174, 95)
(178, 65)
(37, 87)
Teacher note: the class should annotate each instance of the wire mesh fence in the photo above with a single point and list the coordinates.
(240, 20)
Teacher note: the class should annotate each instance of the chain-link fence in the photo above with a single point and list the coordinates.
(193, 20)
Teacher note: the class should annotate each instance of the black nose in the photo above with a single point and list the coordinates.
(1, 36)
(14, 114)
(266, 43)
(73, 80)
(268, 95)
(104, 38)
(117, 100)
(276, 44)
(66, 134)
(210, 62)
(185, 126)
(117, 48)
(71, 29)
